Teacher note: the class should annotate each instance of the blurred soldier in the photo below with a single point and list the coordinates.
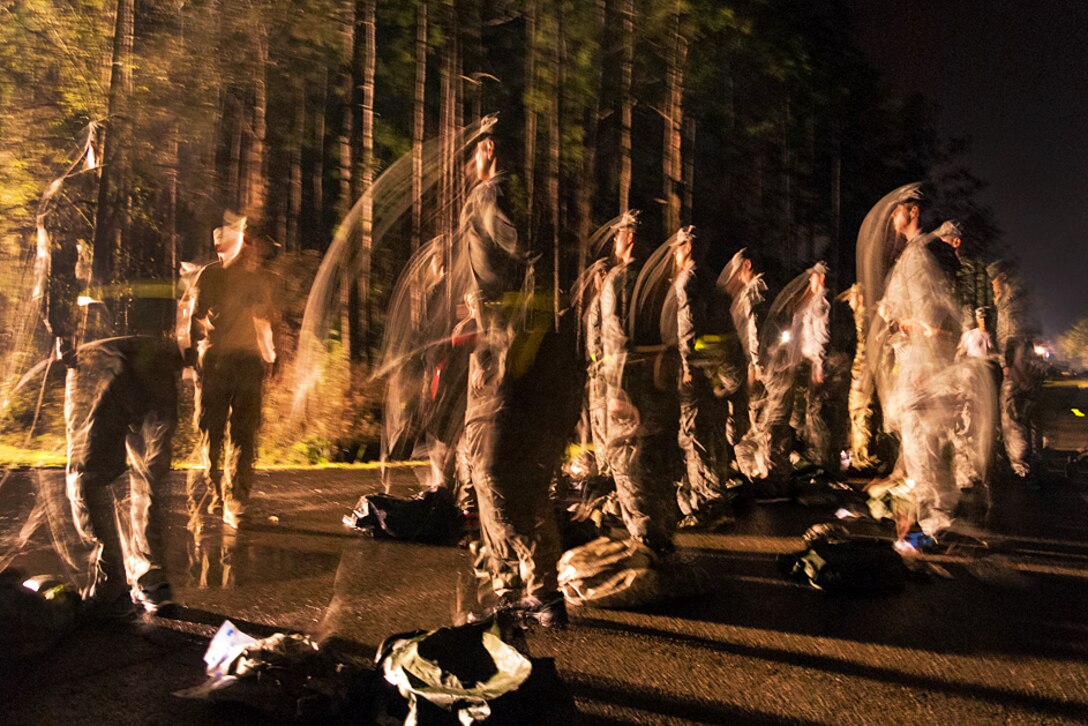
(707, 454)
(861, 398)
(121, 398)
(795, 350)
(919, 395)
(597, 383)
(232, 347)
(975, 344)
(746, 292)
(642, 422)
(521, 370)
(1023, 370)
(120, 402)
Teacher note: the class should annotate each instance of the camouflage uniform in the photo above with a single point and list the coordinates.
(121, 398)
(701, 436)
(642, 420)
(227, 303)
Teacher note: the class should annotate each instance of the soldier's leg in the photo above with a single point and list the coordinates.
(245, 422)
(935, 494)
(598, 421)
(95, 428)
(861, 415)
(694, 488)
(495, 532)
(818, 447)
(529, 530)
(1013, 430)
(149, 450)
(707, 454)
(775, 422)
(212, 410)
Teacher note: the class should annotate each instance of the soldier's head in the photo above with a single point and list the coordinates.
(980, 318)
(683, 247)
(853, 296)
(907, 218)
(230, 238)
(485, 161)
(623, 237)
(737, 273)
(817, 279)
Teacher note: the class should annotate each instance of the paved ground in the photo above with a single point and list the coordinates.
(1002, 639)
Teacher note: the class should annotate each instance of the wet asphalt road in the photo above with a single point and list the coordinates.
(1003, 638)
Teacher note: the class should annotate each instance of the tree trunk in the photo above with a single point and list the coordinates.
(347, 89)
(256, 175)
(294, 183)
(111, 223)
(689, 169)
(349, 292)
(234, 173)
(553, 152)
(365, 10)
(674, 124)
(173, 161)
(418, 121)
(628, 12)
(589, 170)
(319, 163)
(531, 21)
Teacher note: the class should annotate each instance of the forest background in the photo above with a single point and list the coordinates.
(756, 120)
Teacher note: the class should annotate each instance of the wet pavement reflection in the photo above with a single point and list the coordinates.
(1005, 635)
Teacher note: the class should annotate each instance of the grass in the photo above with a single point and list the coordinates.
(17, 457)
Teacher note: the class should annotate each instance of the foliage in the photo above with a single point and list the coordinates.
(1073, 344)
(794, 136)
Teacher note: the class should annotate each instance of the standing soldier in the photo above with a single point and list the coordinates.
(596, 384)
(120, 412)
(701, 436)
(520, 368)
(861, 398)
(795, 348)
(1023, 371)
(641, 420)
(746, 292)
(232, 346)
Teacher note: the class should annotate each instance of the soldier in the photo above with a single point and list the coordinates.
(1023, 371)
(707, 454)
(642, 422)
(120, 403)
(923, 393)
(520, 369)
(232, 348)
(121, 398)
(746, 292)
(795, 350)
(861, 397)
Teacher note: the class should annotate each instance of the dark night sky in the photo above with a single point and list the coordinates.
(1012, 75)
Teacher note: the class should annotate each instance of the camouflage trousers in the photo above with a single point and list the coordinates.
(702, 440)
(228, 416)
(121, 401)
(643, 455)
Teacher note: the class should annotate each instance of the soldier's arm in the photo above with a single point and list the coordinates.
(686, 323)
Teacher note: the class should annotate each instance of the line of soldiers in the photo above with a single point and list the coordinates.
(691, 391)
